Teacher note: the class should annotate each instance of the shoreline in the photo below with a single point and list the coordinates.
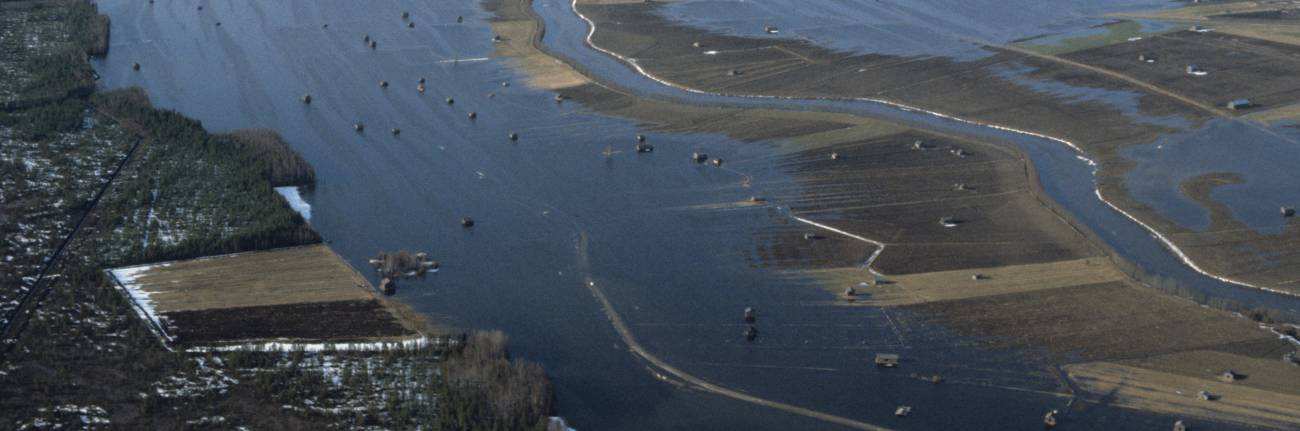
(1037, 192)
(1164, 240)
(1169, 244)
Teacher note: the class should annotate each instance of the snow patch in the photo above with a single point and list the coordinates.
(296, 202)
(128, 282)
(411, 343)
(558, 424)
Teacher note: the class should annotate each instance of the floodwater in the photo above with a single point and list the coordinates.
(1068, 177)
(551, 211)
(1264, 157)
(943, 28)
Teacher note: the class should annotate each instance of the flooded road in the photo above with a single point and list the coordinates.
(678, 276)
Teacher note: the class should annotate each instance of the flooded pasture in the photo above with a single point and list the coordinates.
(570, 201)
(943, 28)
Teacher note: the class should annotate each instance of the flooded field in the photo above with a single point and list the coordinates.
(562, 200)
(908, 28)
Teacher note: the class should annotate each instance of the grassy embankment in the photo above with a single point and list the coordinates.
(83, 360)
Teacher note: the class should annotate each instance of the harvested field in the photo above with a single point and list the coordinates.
(953, 285)
(1175, 394)
(1237, 67)
(288, 276)
(301, 321)
(297, 294)
(886, 189)
(1092, 322)
(1265, 373)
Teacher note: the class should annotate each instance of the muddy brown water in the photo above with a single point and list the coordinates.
(680, 278)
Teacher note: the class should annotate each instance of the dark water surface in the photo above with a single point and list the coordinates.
(945, 28)
(679, 276)
(1066, 176)
(1265, 157)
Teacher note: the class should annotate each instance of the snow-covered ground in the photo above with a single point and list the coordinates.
(296, 202)
(128, 282)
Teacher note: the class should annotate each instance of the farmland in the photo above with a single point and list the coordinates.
(91, 180)
(294, 295)
(1043, 284)
(1237, 67)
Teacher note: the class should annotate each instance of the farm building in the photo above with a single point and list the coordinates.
(1239, 104)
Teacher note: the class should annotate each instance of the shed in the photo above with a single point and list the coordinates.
(887, 360)
(1239, 104)
(1229, 376)
(1193, 69)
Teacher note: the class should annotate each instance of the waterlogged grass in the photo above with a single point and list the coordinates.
(1116, 32)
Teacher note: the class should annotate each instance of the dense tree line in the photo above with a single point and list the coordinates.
(60, 71)
(87, 348)
(269, 153)
(224, 185)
